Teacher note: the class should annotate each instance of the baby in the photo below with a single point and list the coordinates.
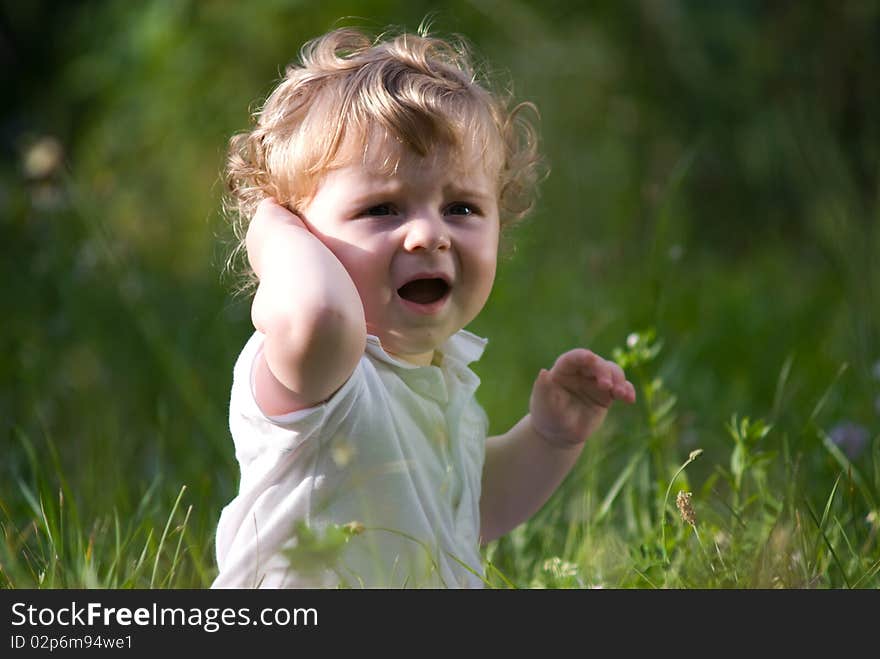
(370, 197)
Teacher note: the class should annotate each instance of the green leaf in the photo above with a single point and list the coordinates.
(738, 462)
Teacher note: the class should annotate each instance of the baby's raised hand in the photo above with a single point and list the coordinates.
(570, 401)
(269, 216)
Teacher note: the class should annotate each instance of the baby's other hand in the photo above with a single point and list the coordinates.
(570, 401)
(270, 214)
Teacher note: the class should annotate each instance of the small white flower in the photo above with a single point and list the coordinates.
(560, 569)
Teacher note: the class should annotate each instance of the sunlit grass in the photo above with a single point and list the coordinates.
(752, 524)
(753, 521)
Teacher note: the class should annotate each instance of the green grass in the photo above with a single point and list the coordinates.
(57, 547)
(760, 521)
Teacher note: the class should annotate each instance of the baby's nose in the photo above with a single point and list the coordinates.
(428, 233)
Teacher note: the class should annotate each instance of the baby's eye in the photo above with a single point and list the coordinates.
(379, 210)
(461, 208)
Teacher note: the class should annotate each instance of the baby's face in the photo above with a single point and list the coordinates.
(420, 244)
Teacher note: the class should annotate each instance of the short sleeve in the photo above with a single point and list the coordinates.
(255, 432)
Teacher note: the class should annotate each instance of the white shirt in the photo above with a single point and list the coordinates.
(398, 449)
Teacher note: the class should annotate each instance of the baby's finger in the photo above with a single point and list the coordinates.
(267, 205)
(623, 388)
(610, 379)
(616, 374)
(574, 361)
(596, 380)
(270, 210)
(624, 392)
(604, 374)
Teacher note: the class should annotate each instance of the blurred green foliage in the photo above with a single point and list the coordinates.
(715, 177)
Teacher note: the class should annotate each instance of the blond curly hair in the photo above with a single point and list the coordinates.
(414, 90)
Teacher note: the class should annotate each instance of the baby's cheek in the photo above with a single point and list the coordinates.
(483, 281)
(488, 267)
(370, 296)
(361, 267)
(374, 300)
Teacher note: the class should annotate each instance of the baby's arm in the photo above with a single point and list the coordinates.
(525, 465)
(307, 307)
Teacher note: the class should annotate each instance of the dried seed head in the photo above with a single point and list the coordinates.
(683, 501)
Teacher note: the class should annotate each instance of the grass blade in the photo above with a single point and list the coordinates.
(829, 545)
(618, 484)
(164, 535)
(848, 466)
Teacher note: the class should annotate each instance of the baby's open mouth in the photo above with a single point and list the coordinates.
(424, 291)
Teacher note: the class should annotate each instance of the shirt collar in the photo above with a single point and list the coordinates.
(463, 347)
